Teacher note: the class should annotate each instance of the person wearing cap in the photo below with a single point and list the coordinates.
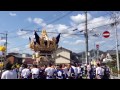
(9, 73)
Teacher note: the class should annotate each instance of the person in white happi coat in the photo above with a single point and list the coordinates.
(65, 70)
(74, 66)
(35, 72)
(99, 72)
(20, 71)
(78, 70)
(49, 71)
(9, 73)
(25, 72)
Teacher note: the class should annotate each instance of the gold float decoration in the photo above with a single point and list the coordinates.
(51, 44)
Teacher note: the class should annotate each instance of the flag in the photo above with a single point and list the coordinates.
(58, 38)
(37, 38)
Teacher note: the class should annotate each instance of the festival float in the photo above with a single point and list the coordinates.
(43, 47)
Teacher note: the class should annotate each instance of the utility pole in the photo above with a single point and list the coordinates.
(6, 36)
(117, 51)
(115, 18)
(98, 54)
(94, 50)
(86, 37)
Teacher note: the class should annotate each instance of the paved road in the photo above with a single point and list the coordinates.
(114, 77)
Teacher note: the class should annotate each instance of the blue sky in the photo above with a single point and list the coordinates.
(13, 21)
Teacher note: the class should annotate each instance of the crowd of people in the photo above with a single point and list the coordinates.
(51, 71)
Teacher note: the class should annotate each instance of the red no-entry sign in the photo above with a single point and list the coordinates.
(106, 34)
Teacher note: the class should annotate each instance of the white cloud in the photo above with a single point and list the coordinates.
(2, 41)
(29, 19)
(71, 34)
(39, 21)
(62, 28)
(80, 18)
(66, 42)
(27, 46)
(21, 32)
(99, 21)
(24, 34)
(15, 50)
(51, 28)
(12, 14)
(79, 42)
(100, 42)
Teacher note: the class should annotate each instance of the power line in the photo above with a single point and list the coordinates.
(46, 18)
(49, 22)
(19, 35)
(59, 19)
(68, 33)
(98, 21)
(52, 21)
(22, 45)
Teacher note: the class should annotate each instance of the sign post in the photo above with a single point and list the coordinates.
(97, 47)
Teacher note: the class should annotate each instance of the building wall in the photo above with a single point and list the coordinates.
(65, 54)
(61, 60)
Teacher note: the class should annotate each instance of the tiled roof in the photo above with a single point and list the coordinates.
(29, 60)
(61, 48)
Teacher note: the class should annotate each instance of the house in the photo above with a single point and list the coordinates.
(65, 56)
(113, 54)
(29, 61)
(62, 60)
(20, 58)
